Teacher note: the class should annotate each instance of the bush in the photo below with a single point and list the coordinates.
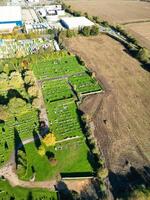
(96, 19)
(33, 91)
(94, 30)
(76, 13)
(105, 23)
(103, 173)
(144, 55)
(21, 163)
(49, 139)
(85, 31)
(41, 150)
(71, 33)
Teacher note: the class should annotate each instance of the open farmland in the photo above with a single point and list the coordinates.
(121, 115)
(141, 31)
(119, 11)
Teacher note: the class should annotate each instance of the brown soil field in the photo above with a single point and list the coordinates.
(141, 31)
(121, 115)
(114, 11)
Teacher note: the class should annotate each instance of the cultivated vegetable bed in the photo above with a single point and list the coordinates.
(64, 119)
(84, 83)
(59, 67)
(56, 90)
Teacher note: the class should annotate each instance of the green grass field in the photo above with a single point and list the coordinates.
(9, 193)
(52, 68)
(84, 84)
(70, 156)
(56, 90)
(64, 119)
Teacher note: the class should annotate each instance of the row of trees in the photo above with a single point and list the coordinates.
(98, 162)
(140, 53)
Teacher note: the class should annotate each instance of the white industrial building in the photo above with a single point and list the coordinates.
(10, 17)
(52, 10)
(54, 7)
(36, 27)
(75, 22)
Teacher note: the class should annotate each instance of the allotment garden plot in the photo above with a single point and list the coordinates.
(60, 67)
(64, 119)
(56, 90)
(83, 83)
(60, 94)
(17, 126)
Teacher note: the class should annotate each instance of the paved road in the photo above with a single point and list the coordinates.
(115, 34)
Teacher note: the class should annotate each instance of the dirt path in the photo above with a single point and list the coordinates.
(9, 173)
(43, 113)
(122, 114)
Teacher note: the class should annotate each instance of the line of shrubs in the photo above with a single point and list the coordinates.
(95, 156)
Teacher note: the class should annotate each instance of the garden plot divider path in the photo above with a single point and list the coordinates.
(60, 77)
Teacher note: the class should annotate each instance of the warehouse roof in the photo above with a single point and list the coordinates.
(10, 13)
(75, 22)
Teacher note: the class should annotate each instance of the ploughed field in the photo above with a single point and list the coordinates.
(121, 115)
(119, 11)
(141, 31)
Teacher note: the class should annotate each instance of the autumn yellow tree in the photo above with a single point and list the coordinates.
(49, 139)
(41, 150)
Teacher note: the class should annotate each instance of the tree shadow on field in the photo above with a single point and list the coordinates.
(49, 154)
(123, 184)
(14, 93)
(17, 141)
(133, 53)
(30, 196)
(92, 159)
(37, 140)
(17, 144)
(43, 129)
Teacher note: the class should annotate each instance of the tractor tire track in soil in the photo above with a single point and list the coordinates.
(116, 112)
